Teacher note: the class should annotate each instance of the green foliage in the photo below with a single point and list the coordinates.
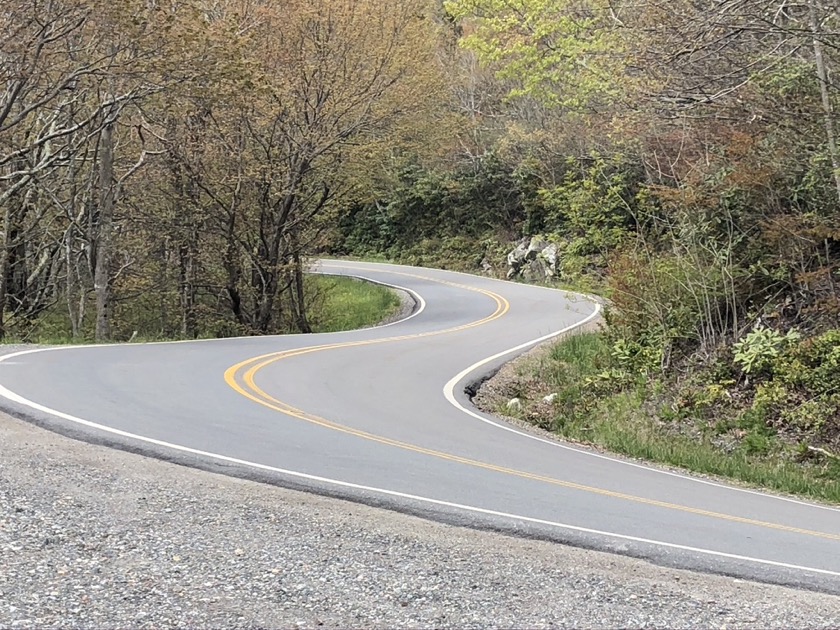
(347, 304)
(559, 52)
(769, 395)
(654, 300)
(757, 350)
(335, 303)
(592, 207)
(449, 219)
(578, 369)
(811, 416)
(637, 358)
(804, 393)
(457, 253)
(617, 414)
(813, 364)
(792, 78)
(756, 443)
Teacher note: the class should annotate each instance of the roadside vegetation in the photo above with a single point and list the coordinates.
(335, 303)
(346, 303)
(713, 421)
(172, 167)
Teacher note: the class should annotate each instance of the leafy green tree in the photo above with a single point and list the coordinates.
(565, 53)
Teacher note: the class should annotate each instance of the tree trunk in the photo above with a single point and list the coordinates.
(70, 283)
(822, 75)
(104, 236)
(268, 288)
(4, 268)
(301, 318)
(187, 253)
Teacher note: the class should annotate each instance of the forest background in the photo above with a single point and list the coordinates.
(169, 168)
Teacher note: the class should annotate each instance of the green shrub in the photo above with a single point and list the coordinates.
(757, 351)
(756, 443)
(813, 364)
(811, 415)
(770, 395)
(635, 357)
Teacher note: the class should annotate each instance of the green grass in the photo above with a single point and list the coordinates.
(347, 303)
(334, 303)
(620, 421)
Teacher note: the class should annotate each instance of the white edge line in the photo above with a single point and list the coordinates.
(393, 493)
(448, 389)
(449, 394)
(419, 302)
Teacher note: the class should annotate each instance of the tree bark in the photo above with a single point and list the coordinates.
(302, 319)
(822, 75)
(233, 268)
(4, 268)
(187, 254)
(104, 230)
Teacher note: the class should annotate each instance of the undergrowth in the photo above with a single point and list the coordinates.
(609, 395)
(334, 303)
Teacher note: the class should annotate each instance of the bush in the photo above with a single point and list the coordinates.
(757, 351)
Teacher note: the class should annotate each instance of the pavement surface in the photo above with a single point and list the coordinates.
(379, 416)
(94, 537)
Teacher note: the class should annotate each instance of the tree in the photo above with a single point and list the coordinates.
(328, 77)
(565, 53)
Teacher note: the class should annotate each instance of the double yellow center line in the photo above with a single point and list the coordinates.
(241, 377)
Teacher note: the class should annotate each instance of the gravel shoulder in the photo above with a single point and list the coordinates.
(93, 537)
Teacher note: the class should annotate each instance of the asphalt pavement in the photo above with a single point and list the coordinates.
(380, 416)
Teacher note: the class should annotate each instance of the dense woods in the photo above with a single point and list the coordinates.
(684, 156)
(170, 167)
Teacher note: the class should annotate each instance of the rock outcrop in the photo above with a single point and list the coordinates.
(534, 259)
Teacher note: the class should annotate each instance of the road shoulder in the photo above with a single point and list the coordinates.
(97, 537)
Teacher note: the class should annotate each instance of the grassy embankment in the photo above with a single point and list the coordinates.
(657, 419)
(347, 304)
(334, 303)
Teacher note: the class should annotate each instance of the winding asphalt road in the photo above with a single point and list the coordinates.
(380, 416)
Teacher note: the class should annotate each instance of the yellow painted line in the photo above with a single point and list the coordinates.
(241, 378)
(502, 307)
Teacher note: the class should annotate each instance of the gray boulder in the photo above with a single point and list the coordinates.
(516, 258)
(535, 247)
(534, 259)
(549, 255)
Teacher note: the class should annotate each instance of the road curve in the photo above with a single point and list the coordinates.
(380, 416)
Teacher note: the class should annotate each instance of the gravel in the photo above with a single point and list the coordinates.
(408, 304)
(92, 537)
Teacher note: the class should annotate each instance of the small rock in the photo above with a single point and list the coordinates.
(550, 398)
(514, 404)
